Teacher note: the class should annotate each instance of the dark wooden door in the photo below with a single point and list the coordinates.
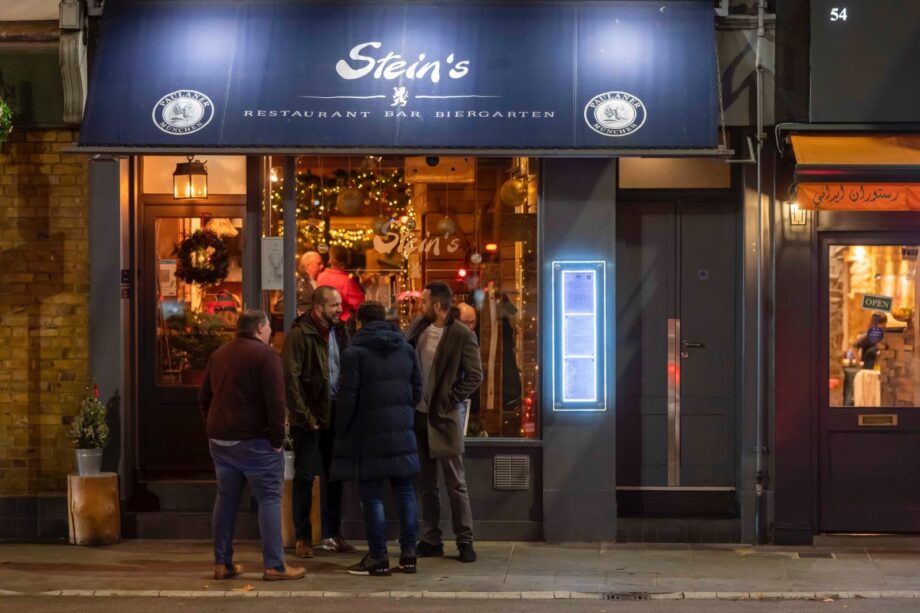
(869, 437)
(676, 344)
(179, 326)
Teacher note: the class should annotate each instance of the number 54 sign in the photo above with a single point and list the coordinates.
(838, 14)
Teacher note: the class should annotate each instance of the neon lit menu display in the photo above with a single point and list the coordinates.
(578, 336)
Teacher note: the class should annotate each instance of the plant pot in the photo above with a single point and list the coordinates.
(89, 462)
(288, 465)
(193, 376)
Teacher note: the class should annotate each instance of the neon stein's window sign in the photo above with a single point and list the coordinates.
(579, 369)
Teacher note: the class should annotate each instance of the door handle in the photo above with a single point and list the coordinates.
(689, 345)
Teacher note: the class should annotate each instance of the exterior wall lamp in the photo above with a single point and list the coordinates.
(190, 180)
(797, 215)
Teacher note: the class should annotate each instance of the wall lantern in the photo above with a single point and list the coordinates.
(797, 215)
(190, 180)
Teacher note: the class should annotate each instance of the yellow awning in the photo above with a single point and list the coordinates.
(855, 150)
(829, 180)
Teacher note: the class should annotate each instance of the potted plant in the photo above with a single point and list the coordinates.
(90, 432)
(195, 337)
(6, 121)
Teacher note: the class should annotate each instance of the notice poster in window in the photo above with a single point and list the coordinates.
(578, 288)
(272, 263)
(169, 287)
(580, 335)
(579, 381)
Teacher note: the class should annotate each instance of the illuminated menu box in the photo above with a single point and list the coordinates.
(579, 376)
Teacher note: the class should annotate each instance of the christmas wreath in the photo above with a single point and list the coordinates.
(6, 121)
(203, 258)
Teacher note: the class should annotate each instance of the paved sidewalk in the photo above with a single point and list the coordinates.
(504, 570)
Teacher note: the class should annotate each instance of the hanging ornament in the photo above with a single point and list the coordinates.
(322, 248)
(446, 226)
(513, 192)
(381, 225)
(349, 201)
(476, 258)
(410, 224)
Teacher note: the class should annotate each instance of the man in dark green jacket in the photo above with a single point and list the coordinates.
(311, 375)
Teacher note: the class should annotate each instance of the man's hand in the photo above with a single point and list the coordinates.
(278, 449)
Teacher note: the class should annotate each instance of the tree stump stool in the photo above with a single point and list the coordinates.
(288, 531)
(93, 513)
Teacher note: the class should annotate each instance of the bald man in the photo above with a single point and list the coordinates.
(311, 264)
(467, 315)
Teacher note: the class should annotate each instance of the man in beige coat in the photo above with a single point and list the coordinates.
(451, 371)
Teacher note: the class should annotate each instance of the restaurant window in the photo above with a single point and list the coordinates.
(873, 326)
(195, 315)
(394, 224)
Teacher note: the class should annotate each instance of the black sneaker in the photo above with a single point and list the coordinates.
(467, 554)
(407, 562)
(427, 550)
(370, 567)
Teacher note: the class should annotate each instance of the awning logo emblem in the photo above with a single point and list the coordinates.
(615, 113)
(182, 112)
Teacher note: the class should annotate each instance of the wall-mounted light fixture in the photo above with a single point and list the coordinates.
(797, 216)
(190, 180)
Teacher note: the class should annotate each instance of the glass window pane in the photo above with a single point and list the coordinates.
(195, 317)
(392, 224)
(873, 326)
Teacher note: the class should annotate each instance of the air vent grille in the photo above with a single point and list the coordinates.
(511, 472)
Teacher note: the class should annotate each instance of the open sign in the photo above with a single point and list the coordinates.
(871, 302)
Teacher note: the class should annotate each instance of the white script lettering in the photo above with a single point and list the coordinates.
(393, 66)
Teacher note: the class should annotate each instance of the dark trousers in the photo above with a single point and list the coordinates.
(312, 457)
(375, 518)
(255, 462)
(461, 514)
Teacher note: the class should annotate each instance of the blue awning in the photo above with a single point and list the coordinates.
(385, 76)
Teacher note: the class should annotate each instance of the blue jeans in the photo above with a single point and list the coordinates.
(375, 520)
(256, 462)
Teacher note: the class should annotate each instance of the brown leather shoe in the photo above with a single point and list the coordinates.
(222, 572)
(304, 550)
(290, 572)
(338, 545)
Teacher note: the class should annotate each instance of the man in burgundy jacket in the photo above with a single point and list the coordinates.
(242, 397)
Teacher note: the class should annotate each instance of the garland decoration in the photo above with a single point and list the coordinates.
(202, 258)
(385, 193)
(6, 121)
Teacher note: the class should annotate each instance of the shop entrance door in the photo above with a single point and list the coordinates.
(677, 346)
(870, 408)
(180, 324)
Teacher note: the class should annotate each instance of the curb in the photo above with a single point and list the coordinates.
(765, 596)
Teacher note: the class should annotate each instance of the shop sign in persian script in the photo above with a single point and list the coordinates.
(570, 75)
(859, 196)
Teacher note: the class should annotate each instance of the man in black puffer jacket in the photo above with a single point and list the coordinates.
(379, 386)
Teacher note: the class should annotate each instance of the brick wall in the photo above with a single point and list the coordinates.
(44, 294)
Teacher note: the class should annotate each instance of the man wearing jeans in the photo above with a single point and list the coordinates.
(380, 386)
(242, 398)
(451, 371)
